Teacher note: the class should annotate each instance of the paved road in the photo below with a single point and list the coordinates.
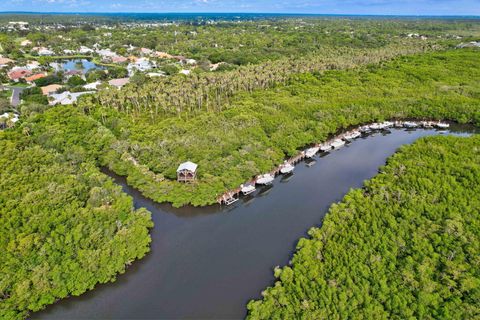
(15, 99)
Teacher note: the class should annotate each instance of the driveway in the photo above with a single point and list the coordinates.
(15, 99)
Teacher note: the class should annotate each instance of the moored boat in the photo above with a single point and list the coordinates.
(351, 136)
(410, 125)
(265, 179)
(365, 129)
(442, 125)
(325, 147)
(246, 189)
(287, 168)
(310, 153)
(338, 144)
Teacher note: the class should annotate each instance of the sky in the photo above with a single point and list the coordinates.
(381, 7)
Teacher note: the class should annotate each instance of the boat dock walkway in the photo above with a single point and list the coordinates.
(232, 196)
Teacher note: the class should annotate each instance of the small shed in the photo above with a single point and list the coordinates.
(187, 172)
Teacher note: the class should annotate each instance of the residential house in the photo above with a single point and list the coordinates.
(45, 52)
(92, 86)
(106, 53)
(66, 97)
(119, 82)
(119, 59)
(18, 73)
(146, 51)
(25, 43)
(5, 61)
(85, 50)
(8, 119)
(185, 72)
(33, 65)
(31, 79)
(141, 64)
(163, 55)
(50, 89)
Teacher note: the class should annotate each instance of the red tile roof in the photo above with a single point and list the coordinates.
(19, 74)
(35, 77)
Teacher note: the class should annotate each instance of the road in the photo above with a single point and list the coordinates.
(15, 99)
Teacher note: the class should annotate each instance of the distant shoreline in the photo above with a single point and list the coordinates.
(237, 15)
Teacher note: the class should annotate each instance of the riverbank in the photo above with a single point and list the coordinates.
(405, 246)
(336, 141)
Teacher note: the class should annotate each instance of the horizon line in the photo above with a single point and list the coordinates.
(214, 12)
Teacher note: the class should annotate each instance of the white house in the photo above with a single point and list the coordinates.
(45, 52)
(92, 86)
(141, 64)
(185, 72)
(85, 50)
(66, 97)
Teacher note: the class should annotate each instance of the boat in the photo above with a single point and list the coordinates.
(229, 199)
(246, 189)
(376, 126)
(310, 153)
(398, 124)
(325, 147)
(287, 168)
(426, 124)
(338, 143)
(351, 136)
(387, 124)
(410, 124)
(443, 125)
(365, 129)
(265, 179)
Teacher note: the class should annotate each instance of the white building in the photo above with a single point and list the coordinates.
(85, 50)
(45, 52)
(66, 97)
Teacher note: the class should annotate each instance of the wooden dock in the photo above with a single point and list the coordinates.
(232, 196)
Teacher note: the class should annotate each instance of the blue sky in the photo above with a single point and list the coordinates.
(400, 7)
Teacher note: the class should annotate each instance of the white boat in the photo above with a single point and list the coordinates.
(376, 126)
(365, 129)
(310, 153)
(398, 124)
(287, 168)
(387, 124)
(338, 143)
(265, 179)
(426, 124)
(410, 124)
(442, 125)
(247, 189)
(352, 135)
(325, 147)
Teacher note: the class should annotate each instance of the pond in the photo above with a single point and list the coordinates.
(83, 65)
(207, 263)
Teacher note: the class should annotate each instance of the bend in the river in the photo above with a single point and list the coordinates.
(208, 262)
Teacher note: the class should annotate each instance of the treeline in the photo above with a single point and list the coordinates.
(404, 247)
(187, 96)
(64, 227)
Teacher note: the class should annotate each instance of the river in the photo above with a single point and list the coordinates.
(207, 263)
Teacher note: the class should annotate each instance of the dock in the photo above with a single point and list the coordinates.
(232, 196)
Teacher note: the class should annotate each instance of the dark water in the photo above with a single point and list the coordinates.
(207, 263)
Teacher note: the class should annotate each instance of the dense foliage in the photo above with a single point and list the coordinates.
(405, 247)
(257, 130)
(64, 227)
